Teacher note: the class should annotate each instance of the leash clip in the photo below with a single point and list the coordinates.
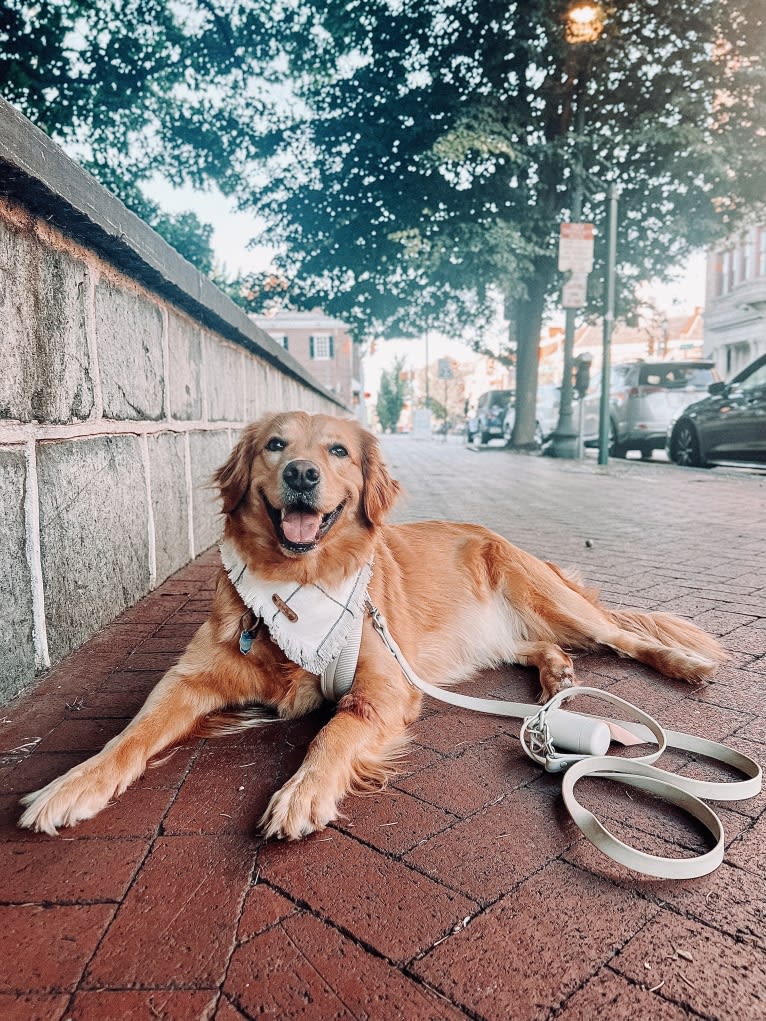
(540, 746)
(376, 616)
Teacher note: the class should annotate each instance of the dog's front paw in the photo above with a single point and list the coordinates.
(77, 795)
(303, 805)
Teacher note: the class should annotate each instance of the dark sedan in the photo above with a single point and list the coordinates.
(729, 425)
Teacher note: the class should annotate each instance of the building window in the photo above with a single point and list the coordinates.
(748, 256)
(281, 339)
(321, 346)
(718, 275)
(739, 263)
(728, 271)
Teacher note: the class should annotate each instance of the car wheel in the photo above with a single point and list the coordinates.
(615, 449)
(485, 439)
(646, 453)
(685, 448)
(539, 438)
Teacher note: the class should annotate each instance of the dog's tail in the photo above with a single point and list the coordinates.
(691, 652)
(232, 721)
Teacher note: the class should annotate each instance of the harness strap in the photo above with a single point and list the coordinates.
(338, 676)
(583, 737)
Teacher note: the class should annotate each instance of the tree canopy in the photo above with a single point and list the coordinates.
(443, 142)
(414, 158)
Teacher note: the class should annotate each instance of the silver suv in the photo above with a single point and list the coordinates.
(645, 397)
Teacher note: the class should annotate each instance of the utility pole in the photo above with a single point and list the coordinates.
(584, 24)
(612, 197)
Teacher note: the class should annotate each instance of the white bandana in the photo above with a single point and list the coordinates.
(310, 623)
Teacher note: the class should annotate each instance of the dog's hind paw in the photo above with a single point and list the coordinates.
(301, 807)
(556, 679)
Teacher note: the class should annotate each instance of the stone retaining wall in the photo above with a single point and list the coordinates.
(124, 379)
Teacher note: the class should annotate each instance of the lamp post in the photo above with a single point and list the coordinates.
(583, 23)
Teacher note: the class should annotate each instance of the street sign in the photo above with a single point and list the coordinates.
(576, 247)
(574, 293)
(445, 369)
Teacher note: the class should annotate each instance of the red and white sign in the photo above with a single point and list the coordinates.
(574, 293)
(576, 247)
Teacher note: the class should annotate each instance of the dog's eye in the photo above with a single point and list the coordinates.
(276, 443)
(338, 450)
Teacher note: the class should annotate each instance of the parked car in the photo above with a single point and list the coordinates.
(645, 397)
(728, 425)
(547, 413)
(487, 423)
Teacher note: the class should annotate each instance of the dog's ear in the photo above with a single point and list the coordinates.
(233, 477)
(380, 490)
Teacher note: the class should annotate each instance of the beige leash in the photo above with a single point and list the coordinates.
(585, 739)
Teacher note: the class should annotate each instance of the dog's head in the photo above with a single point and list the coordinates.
(300, 482)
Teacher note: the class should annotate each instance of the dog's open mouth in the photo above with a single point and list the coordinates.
(299, 527)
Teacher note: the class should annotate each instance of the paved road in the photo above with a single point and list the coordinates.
(641, 529)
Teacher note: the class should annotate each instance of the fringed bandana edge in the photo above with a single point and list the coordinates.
(310, 623)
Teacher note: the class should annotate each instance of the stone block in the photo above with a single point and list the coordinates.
(129, 339)
(185, 368)
(94, 534)
(17, 660)
(45, 371)
(208, 451)
(275, 391)
(223, 381)
(170, 504)
(256, 388)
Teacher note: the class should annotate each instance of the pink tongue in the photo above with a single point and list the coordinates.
(301, 526)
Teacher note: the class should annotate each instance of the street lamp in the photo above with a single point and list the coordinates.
(583, 23)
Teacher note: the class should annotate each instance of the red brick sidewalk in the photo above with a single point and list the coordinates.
(462, 892)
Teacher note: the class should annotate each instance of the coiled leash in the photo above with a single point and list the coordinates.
(547, 729)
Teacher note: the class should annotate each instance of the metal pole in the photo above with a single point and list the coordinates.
(428, 398)
(613, 195)
(565, 441)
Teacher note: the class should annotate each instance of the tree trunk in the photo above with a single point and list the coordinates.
(529, 324)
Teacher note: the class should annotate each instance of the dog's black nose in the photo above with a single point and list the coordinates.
(301, 475)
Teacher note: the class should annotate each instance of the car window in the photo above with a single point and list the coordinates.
(499, 398)
(675, 377)
(756, 379)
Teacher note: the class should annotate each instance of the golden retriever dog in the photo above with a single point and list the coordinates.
(305, 500)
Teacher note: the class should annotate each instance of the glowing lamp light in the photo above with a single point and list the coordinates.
(584, 22)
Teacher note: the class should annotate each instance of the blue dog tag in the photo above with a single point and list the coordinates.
(245, 642)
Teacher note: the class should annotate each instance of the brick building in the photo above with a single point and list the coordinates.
(323, 346)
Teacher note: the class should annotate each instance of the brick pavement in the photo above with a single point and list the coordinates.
(461, 892)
